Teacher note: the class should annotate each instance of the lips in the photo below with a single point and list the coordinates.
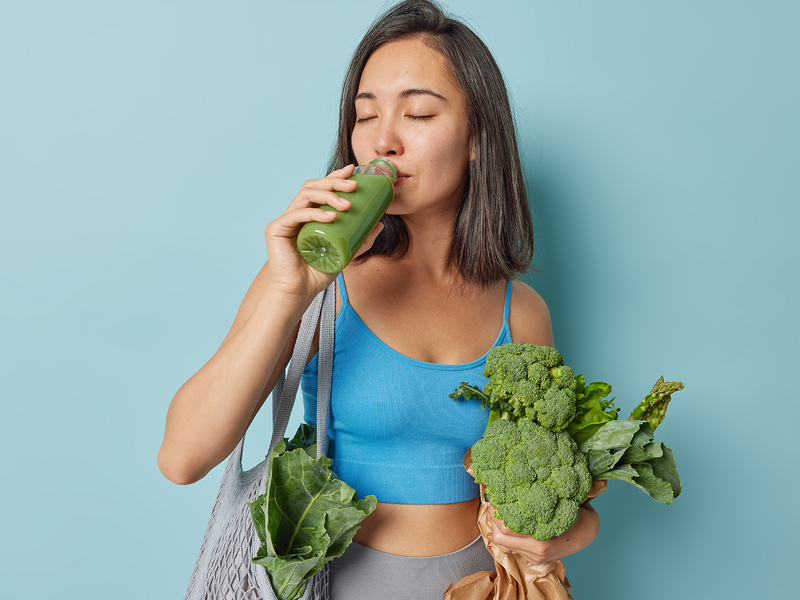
(401, 177)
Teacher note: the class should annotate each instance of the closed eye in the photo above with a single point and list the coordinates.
(419, 117)
(364, 119)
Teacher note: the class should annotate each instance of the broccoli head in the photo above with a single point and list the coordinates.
(535, 478)
(530, 382)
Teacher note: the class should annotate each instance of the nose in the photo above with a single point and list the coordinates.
(388, 140)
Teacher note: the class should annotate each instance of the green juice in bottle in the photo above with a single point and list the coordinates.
(328, 247)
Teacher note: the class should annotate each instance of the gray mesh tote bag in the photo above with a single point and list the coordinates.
(223, 569)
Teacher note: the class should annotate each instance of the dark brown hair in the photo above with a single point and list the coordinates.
(493, 232)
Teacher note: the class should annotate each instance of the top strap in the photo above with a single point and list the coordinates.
(507, 307)
(325, 367)
(342, 290)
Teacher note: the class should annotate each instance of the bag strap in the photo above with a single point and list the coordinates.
(325, 367)
(322, 311)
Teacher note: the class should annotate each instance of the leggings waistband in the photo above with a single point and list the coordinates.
(362, 573)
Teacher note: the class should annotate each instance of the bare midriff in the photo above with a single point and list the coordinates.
(420, 529)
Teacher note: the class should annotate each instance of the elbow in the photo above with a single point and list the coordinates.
(178, 471)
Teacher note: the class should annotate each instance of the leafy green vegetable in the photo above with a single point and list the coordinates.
(530, 387)
(591, 411)
(307, 516)
(470, 392)
(625, 450)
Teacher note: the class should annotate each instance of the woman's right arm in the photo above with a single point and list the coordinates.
(212, 410)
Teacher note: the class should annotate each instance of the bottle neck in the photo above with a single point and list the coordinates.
(385, 167)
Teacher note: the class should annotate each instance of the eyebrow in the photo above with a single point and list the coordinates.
(404, 94)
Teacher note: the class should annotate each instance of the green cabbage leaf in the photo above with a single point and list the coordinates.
(306, 517)
(625, 450)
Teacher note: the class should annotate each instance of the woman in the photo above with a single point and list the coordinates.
(418, 310)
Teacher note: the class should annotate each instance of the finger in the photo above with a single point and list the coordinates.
(370, 238)
(498, 524)
(313, 197)
(344, 185)
(288, 224)
(501, 527)
(599, 486)
(337, 180)
(345, 171)
(336, 183)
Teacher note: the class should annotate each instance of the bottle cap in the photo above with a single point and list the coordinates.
(382, 163)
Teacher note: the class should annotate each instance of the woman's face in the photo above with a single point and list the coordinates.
(409, 110)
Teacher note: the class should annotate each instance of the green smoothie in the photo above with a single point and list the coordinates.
(328, 247)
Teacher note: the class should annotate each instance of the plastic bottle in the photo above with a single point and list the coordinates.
(328, 247)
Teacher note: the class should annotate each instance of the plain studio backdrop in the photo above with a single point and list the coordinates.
(144, 147)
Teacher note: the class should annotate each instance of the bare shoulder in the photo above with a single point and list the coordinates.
(529, 317)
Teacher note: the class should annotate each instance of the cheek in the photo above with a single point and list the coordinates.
(452, 157)
(360, 148)
(443, 148)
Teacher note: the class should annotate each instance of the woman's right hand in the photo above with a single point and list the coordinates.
(289, 273)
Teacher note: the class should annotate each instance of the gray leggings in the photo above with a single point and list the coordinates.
(362, 573)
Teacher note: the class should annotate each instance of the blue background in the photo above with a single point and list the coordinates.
(144, 146)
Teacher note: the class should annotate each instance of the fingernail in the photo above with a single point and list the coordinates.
(330, 212)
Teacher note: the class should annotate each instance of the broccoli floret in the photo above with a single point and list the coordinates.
(563, 377)
(566, 511)
(549, 357)
(555, 408)
(530, 382)
(539, 375)
(535, 478)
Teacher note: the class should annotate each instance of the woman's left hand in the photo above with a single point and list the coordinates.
(536, 552)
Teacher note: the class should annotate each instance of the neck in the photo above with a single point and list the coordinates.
(429, 241)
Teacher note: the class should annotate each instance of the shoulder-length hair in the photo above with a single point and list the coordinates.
(493, 233)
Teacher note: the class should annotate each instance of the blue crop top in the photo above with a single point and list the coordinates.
(393, 431)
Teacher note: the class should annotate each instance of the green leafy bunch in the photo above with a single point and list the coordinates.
(591, 410)
(307, 516)
(625, 450)
(536, 403)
